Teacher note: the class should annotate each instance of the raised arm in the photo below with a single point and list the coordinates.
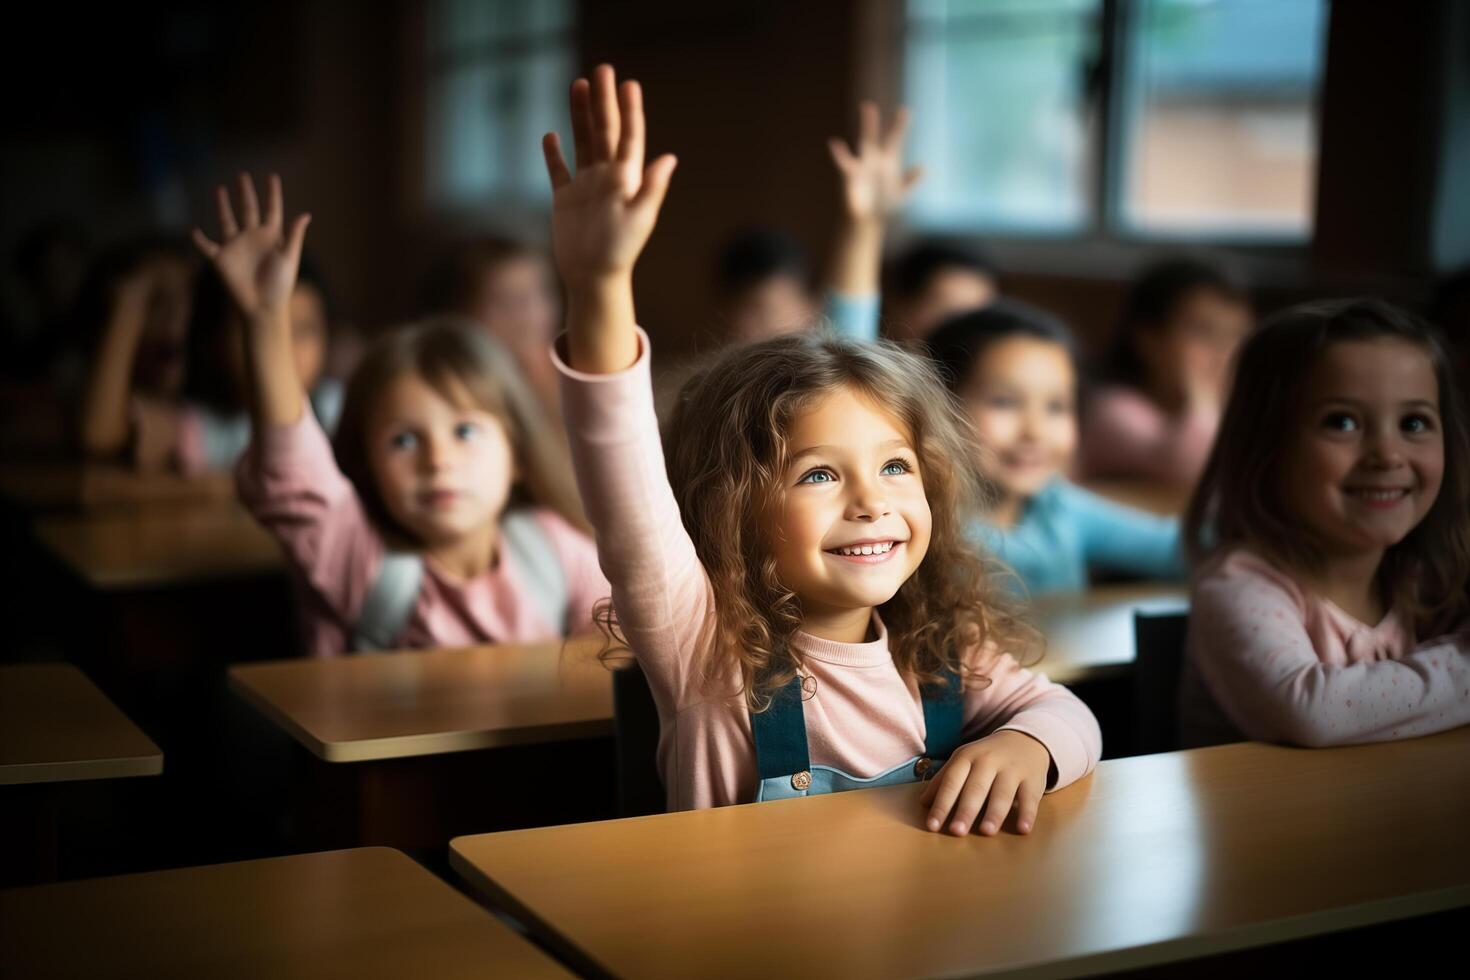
(104, 426)
(601, 218)
(874, 185)
(257, 259)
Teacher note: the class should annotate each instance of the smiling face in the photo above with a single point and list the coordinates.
(443, 468)
(1021, 397)
(853, 522)
(1367, 459)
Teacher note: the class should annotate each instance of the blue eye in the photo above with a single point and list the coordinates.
(404, 440)
(896, 467)
(466, 430)
(1059, 408)
(817, 476)
(1417, 424)
(1001, 401)
(1340, 422)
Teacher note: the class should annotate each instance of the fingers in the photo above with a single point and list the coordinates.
(275, 205)
(656, 182)
(606, 123)
(1028, 803)
(898, 131)
(581, 108)
(945, 790)
(868, 127)
(297, 239)
(630, 142)
(249, 203)
(972, 798)
(227, 224)
(841, 155)
(1002, 795)
(201, 241)
(556, 164)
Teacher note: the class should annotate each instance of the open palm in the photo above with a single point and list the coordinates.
(256, 258)
(602, 216)
(874, 180)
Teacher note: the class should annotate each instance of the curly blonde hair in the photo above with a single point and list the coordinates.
(727, 452)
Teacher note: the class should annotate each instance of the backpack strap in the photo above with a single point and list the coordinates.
(534, 555)
(389, 602)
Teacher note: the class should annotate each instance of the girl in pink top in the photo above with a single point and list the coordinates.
(452, 519)
(795, 585)
(1155, 416)
(1334, 514)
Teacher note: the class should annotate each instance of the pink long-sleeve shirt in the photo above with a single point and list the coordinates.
(1269, 660)
(865, 717)
(290, 481)
(1127, 436)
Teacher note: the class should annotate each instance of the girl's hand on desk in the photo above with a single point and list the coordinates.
(994, 773)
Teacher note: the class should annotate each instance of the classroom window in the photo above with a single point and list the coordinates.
(498, 77)
(1198, 119)
(1219, 116)
(1003, 115)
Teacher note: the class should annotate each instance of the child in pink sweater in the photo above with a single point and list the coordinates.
(1334, 509)
(796, 585)
(452, 519)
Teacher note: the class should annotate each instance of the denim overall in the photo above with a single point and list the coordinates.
(785, 768)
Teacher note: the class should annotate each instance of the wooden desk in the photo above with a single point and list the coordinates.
(55, 726)
(1159, 498)
(359, 913)
(1152, 859)
(1089, 635)
(428, 702)
(64, 486)
(159, 547)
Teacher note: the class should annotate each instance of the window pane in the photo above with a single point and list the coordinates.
(499, 75)
(1219, 109)
(998, 89)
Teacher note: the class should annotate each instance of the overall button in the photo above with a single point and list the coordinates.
(922, 765)
(801, 780)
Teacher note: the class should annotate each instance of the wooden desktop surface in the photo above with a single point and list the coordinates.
(56, 726)
(363, 914)
(1089, 635)
(389, 705)
(1151, 859)
(57, 486)
(1159, 498)
(161, 546)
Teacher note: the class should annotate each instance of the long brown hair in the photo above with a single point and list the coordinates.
(727, 453)
(455, 358)
(1240, 499)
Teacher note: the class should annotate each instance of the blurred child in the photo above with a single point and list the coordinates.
(509, 289)
(452, 519)
(800, 566)
(1155, 416)
(1014, 368)
(764, 286)
(1333, 534)
(933, 280)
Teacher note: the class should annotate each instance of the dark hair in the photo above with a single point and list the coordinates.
(1153, 298)
(1239, 499)
(957, 343)
(916, 265)
(756, 254)
(207, 379)
(453, 281)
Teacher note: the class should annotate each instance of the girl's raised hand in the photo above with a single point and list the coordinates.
(992, 775)
(256, 257)
(874, 181)
(602, 215)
